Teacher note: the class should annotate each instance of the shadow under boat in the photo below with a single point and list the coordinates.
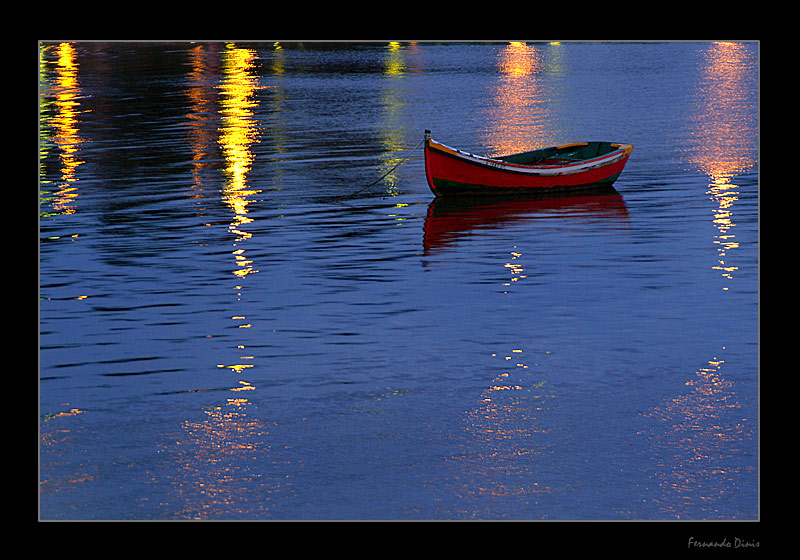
(451, 218)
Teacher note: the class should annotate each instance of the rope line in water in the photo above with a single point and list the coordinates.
(381, 178)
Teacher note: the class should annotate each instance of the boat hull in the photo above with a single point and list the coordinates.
(451, 172)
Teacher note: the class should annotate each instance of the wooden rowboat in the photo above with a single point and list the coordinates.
(577, 166)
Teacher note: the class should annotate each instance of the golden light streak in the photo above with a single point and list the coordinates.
(238, 132)
(64, 123)
(239, 129)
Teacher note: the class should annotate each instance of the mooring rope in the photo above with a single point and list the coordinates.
(381, 178)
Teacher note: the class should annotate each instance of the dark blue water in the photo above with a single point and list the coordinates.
(222, 338)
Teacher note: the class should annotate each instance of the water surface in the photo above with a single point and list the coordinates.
(223, 337)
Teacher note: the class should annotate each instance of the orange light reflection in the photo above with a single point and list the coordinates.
(691, 469)
(204, 65)
(519, 114)
(218, 459)
(504, 433)
(724, 128)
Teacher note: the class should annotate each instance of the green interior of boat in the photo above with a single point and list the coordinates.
(562, 154)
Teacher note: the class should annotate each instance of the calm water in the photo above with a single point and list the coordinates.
(222, 338)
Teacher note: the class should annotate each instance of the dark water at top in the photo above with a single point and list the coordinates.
(221, 338)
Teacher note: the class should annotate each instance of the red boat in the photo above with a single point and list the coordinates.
(577, 166)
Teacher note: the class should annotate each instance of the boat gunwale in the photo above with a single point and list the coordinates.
(543, 169)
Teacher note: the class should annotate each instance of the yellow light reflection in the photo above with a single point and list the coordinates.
(519, 114)
(64, 128)
(395, 64)
(724, 128)
(515, 268)
(238, 132)
(71, 412)
(392, 137)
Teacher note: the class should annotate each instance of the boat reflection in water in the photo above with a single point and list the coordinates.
(450, 219)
